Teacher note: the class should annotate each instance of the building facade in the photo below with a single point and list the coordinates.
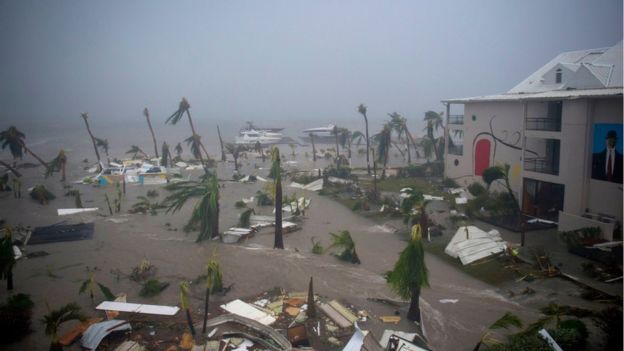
(560, 132)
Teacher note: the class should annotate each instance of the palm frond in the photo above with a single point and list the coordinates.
(106, 292)
(506, 321)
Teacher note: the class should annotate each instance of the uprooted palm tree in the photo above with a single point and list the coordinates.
(362, 110)
(344, 240)
(384, 142)
(58, 164)
(214, 282)
(55, 318)
(184, 107)
(85, 117)
(149, 124)
(206, 211)
(410, 273)
(276, 171)
(14, 139)
(89, 285)
(7, 256)
(135, 150)
(434, 122)
(506, 321)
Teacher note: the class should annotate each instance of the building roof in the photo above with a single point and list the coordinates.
(547, 95)
(583, 69)
(583, 73)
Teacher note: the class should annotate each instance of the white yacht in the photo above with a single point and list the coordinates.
(321, 134)
(252, 136)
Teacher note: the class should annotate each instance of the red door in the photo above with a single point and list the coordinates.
(482, 156)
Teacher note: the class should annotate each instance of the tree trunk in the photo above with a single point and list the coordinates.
(190, 322)
(374, 175)
(337, 146)
(367, 147)
(201, 158)
(311, 311)
(221, 142)
(215, 230)
(349, 149)
(413, 314)
(313, 147)
(279, 240)
(35, 156)
(235, 162)
(149, 124)
(411, 140)
(97, 153)
(13, 170)
(206, 312)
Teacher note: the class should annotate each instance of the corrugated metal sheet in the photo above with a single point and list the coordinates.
(471, 244)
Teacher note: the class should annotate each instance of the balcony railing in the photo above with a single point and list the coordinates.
(456, 119)
(457, 150)
(543, 123)
(541, 165)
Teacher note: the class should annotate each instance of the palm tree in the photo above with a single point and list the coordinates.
(178, 150)
(276, 171)
(345, 140)
(185, 290)
(166, 154)
(193, 143)
(57, 165)
(14, 139)
(362, 110)
(7, 256)
(149, 124)
(235, 150)
(10, 168)
(55, 318)
(206, 210)
(399, 123)
(384, 139)
(344, 240)
(214, 282)
(410, 273)
(103, 144)
(85, 117)
(313, 147)
(434, 122)
(500, 172)
(506, 321)
(221, 142)
(90, 284)
(134, 150)
(258, 149)
(183, 107)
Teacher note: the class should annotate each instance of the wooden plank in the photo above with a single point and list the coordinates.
(138, 308)
(390, 319)
(335, 316)
(343, 311)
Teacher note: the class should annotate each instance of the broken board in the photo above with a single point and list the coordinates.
(61, 233)
(138, 308)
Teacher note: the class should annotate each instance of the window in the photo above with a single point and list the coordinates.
(558, 75)
(542, 199)
(456, 142)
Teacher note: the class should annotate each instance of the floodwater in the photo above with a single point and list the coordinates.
(252, 266)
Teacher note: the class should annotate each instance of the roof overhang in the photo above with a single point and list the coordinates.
(547, 95)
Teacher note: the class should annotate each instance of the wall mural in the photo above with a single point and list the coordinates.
(485, 150)
(607, 152)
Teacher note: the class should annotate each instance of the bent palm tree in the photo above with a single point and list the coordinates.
(183, 107)
(206, 210)
(221, 143)
(185, 290)
(134, 150)
(149, 124)
(85, 117)
(335, 132)
(399, 123)
(362, 110)
(193, 142)
(344, 240)
(90, 284)
(103, 144)
(258, 149)
(410, 273)
(345, 140)
(434, 122)
(55, 318)
(57, 165)
(235, 150)
(14, 139)
(178, 150)
(313, 147)
(506, 321)
(276, 171)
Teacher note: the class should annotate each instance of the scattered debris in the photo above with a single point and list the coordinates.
(138, 308)
(431, 197)
(59, 233)
(385, 337)
(74, 333)
(98, 331)
(243, 309)
(471, 244)
(316, 185)
(71, 211)
(448, 300)
(390, 319)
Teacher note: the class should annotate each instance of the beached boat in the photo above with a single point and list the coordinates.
(321, 134)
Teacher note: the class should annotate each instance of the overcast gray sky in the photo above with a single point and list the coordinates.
(257, 60)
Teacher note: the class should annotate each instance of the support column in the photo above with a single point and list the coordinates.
(446, 135)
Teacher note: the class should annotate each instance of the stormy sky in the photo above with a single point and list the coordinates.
(279, 60)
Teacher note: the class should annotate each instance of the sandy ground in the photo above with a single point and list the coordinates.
(253, 266)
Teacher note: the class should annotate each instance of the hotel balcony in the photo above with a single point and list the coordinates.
(551, 124)
(456, 119)
(542, 156)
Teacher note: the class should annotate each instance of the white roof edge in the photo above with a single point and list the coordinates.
(547, 95)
